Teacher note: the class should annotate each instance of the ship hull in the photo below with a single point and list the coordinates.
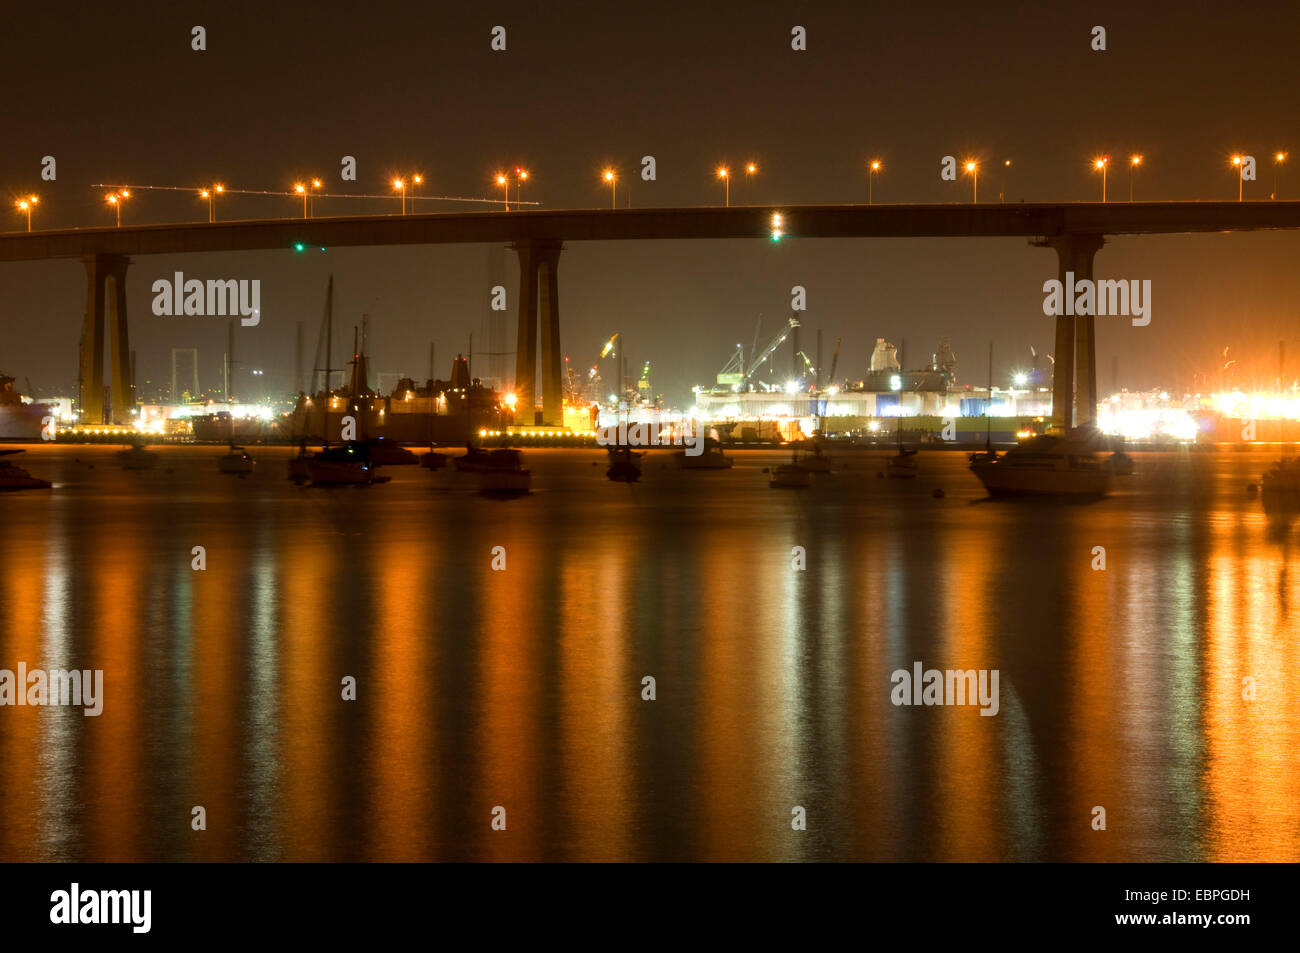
(22, 421)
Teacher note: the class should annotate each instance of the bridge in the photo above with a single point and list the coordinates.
(1075, 230)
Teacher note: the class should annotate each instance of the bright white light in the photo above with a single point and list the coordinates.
(792, 387)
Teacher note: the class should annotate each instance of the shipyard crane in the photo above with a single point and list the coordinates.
(738, 375)
(835, 362)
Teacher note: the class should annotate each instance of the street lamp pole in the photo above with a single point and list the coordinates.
(1103, 164)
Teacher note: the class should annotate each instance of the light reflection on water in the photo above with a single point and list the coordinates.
(522, 689)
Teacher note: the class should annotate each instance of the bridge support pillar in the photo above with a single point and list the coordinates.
(539, 263)
(106, 303)
(1076, 346)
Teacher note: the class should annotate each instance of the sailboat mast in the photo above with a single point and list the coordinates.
(988, 407)
(329, 356)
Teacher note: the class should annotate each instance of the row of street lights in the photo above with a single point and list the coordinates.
(520, 175)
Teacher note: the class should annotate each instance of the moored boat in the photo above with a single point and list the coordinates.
(815, 462)
(624, 465)
(1048, 466)
(136, 457)
(1282, 478)
(348, 465)
(433, 460)
(792, 476)
(505, 481)
(712, 458)
(14, 477)
(236, 462)
(386, 453)
(902, 464)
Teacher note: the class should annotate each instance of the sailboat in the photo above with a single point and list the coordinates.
(815, 462)
(902, 464)
(500, 472)
(791, 476)
(988, 454)
(299, 471)
(1064, 465)
(353, 463)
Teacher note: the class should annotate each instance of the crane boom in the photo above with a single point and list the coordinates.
(835, 360)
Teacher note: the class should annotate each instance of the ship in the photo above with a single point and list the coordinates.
(20, 419)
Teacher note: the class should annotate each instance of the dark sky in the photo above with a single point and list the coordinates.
(284, 90)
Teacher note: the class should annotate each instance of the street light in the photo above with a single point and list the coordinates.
(400, 185)
(521, 175)
(1102, 164)
(1278, 159)
(1006, 164)
(302, 190)
(416, 180)
(973, 168)
(116, 199)
(726, 184)
(505, 188)
(872, 168)
(751, 169)
(613, 185)
(210, 195)
(25, 205)
(1133, 163)
(1241, 172)
(315, 184)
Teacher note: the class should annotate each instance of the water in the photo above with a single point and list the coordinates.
(522, 688)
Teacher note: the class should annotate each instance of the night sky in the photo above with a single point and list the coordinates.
(284, 90)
